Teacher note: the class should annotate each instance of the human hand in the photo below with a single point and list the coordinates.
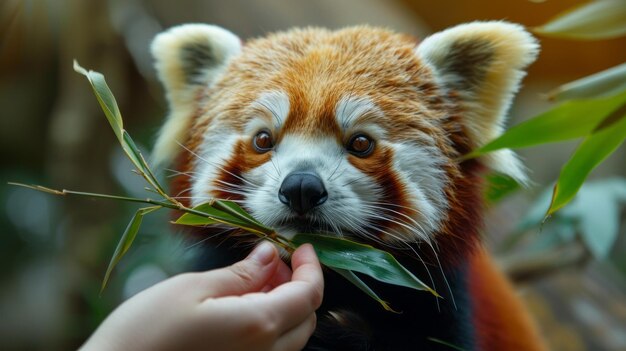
(255, 304)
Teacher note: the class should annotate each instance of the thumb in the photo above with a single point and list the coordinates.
(248, 275)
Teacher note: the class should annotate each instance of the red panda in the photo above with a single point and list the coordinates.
(358, 132)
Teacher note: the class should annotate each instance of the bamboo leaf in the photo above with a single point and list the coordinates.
(206, 214)
(570, 120)
(602, 19)
(126, 241)
(105, 98)
(589, 154)
(111, 110)
(499, 186)
(606, 83)
(354, 279)
(236, 210)
(344, 254)
(445, 343)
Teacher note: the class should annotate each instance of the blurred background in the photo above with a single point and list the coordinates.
(54, 251)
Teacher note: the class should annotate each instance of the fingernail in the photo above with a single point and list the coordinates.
(264, 253)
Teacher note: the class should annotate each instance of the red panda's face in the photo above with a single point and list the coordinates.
(338, 135)
(354, 132)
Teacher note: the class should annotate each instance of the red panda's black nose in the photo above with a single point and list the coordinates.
(302, 191)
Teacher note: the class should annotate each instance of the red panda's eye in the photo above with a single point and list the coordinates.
(360, 145)
(263, 141)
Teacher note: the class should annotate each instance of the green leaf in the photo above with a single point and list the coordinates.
(206, 214)
(499, 186)
(105, 98)
(606, 83)
(236, 210)
(109, 106)
(589, 154)
(341, 253)
(445, 343)
(570, 120)
(126, 241)
(602, 19)
(352, 278)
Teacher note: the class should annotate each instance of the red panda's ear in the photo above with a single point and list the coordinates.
(483, 62)
(188, 58)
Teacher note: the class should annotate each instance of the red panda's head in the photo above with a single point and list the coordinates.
(353, 132)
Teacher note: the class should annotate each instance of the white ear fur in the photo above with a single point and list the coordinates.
(187, 58)
(483, 62)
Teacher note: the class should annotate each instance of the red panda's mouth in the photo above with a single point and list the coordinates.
(304, 224)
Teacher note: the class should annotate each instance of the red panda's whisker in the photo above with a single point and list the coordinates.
(416, 210)
(276, 167)
(217, 165)
(175, 173)
(422, 232)
(279, 121)
(231, 191)
(356, 180)
(341, 159)
(429, 244)
(226, 230)
(418, 229)
(231, 185)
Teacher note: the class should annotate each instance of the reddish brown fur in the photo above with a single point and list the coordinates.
(504, 324)
(316, 68)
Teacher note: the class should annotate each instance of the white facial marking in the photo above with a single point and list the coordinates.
(354, 112)
(346, 186)
(216, 150)
(276, 103)
(420, 169)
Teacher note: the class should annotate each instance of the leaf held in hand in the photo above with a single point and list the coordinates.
(344, 254)
(354, 279)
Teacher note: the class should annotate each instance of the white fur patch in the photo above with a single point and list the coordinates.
(277, 103)
(272, 105)
(352, 109)
(217, 148)
(420, 169)
(346, 186)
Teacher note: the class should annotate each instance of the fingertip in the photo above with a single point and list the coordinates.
(264, 253)
(304, 254)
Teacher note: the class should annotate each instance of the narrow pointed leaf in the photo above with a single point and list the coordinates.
(602, 19)
(352, 278)
(591, 152)
(445, 343)
(341, 253)
(206, 214)
(126, 241)
(570, 120)
(112, 112)
(105, 98)
(606, 83)
(499, 186)
(234, 208)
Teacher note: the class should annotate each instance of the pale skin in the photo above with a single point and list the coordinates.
(258, 303)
